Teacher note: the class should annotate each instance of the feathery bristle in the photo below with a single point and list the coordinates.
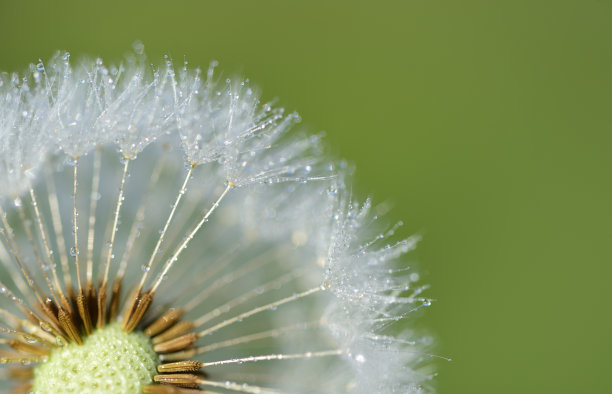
(182, 217)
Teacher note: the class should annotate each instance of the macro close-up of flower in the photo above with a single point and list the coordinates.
(164, 230)
(280, 196)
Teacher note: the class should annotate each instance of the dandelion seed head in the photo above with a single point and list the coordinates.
(173, 207)
(97, 365)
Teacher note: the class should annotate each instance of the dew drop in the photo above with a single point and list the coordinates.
(138, 47)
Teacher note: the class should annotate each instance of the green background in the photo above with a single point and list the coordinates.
(486, 123)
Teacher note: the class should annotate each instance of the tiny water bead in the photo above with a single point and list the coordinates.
(110, 360)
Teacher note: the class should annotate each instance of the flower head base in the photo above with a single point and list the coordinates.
(110, 360)
(176, 215)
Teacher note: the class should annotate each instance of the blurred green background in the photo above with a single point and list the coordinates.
(486, 123)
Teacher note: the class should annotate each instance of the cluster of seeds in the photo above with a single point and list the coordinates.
(163, 231)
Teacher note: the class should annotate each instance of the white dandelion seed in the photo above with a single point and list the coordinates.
(167, 232)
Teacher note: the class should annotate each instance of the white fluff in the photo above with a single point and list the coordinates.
(288, 222)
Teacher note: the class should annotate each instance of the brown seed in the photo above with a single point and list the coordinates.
(179, 379)
(177, 330)
(27, 348)
(143, 303)
(83, 307)
(180, 366)
(169, 389)
(115, 298)
(67, 324)
(176, 344)
(21, 373)
(102, 306)
(164, 322)
(92, 301)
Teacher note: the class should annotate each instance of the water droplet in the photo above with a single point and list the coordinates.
(138, 47)
(45, 326)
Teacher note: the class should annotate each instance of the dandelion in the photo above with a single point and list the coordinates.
(164, 231)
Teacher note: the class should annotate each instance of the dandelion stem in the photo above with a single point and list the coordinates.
(239, 340)
(43, 235)
(57, 228)
(129, 247)
(227, 279)
(75, 232)
(217, 266)
(270, 357)
(258, 291)
(15, 275)
(259, 309)
(10, 319)
(82, 304)
(163, 232)
(239, 387)
(28, 231)
(103, 286)
(182, 247)
(25, 309)
(93, 201)
(7, 235)
(140, 216)
(109, 255)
